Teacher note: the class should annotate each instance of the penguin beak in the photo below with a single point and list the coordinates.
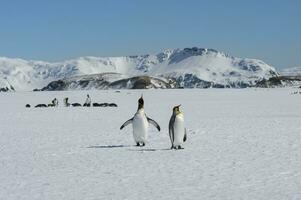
(178, 107)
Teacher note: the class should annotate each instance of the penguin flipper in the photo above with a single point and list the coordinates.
(185, 136)
(154, 123)
(126, 123)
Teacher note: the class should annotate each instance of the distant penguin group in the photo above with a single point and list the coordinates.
(88, 103)
(140, 123)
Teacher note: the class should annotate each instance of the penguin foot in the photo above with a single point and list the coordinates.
(178, 147)
(140, 144)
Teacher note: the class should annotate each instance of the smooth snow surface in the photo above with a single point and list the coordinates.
(241, 144)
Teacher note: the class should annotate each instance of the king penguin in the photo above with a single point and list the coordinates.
(140, 124)
(177, 130)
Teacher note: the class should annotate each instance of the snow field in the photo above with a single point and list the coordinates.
(242, 144)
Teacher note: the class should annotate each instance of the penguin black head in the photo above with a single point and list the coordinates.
(140, 102)
(87, 95)
(176, 109)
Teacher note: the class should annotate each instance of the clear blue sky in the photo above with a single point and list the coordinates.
(55, 30)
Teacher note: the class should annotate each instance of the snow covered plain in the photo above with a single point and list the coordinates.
(242, 144)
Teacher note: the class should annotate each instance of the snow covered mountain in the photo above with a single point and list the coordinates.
(189, 67)
(294, 71)
(289, 77)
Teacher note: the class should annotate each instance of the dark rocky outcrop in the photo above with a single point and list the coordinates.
(106, 81)
(278, 81)
(7, 89)
(139, 82)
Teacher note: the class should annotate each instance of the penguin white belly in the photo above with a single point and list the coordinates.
(140, 127)
(179, 130)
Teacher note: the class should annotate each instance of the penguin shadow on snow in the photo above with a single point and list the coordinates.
(150, 149)
(126, 146)
(107, 146)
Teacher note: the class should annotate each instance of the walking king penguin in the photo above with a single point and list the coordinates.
(140, 124)
(177, 130)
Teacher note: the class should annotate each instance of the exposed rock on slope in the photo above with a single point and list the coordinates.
(189, 68)
(5, 86)
(106, 81)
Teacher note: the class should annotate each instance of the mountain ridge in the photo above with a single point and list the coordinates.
(292, 71)
(185, 66)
